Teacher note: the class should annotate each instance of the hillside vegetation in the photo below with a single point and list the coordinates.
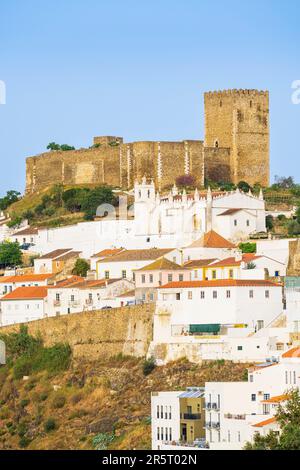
(65, 404)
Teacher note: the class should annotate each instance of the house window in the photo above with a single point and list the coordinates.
(157, 412)
(214, 274)
(166, 412)
(177, 296)
(190, 295)
(260, 324)
(143, 278)
(240, 348)
(251, 294)
(151, 278)
(253, 397)
(248, 223)
(106, 274)
(90, 296)
(294, 374)
(267, 294)
(228, 294)
(151, 297)
(170, 434)
(250, 378)
(161, 411)
(166, 434)
(57, 297)
(215, 294)
(180, 277)
(286, 377)
(170, 412)
(170, 277)
(202, 294)
(229, 437)
(72, 298)
(124, 274)
(266, 396)
(235, 222)
(195, 274)
(230, 273)
(239, 436)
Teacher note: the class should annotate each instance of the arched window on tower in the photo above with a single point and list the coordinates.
(217, 144)
(148, 193)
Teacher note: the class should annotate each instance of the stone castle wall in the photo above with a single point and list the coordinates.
(90, 334)
(117, 165)
(236, 148)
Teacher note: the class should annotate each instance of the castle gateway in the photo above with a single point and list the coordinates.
(236, 148)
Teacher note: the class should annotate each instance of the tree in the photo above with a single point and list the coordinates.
(244, 186)
(53, 146)
(184, 181)
(288, 418)
(64, 147)
(283, 182)
(248, 247)
(10, 254)
(293, 228)
(81, 267)
(94, 199)
(269, 222)
(11, 197)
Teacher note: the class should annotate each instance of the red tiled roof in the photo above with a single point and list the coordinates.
(246, 258)
(137, 255)
(24, 293)
(108, 252)
(56, 253)
(212, 240)
(25, 278)
(27, 231)
(277, 399)
(294, 352)
(199, 263)
(266, 422)
(220, 283)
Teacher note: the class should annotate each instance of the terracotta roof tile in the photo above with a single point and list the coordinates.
(137, 255)
(56, 253)
(26, 231)
(24, 293)
(220, 283)
(161, 264)
(25, 278)
(266, 422)
(199, 263)
(277, 399)
(294, 352)
(108, 252)
(212, 240)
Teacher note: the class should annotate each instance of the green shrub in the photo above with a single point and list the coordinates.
(148, 365)
(24, 403)
(54, 359)
(24, 442)
(50, 425)
(22, 367)
(58, 401)
(102, 441)
(22, 429)
(76, 398)
(248, 247)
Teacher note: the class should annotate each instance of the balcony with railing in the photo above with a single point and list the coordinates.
(212, 425)
(238, 417)
(192, 416)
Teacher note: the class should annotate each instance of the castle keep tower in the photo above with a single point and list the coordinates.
(237, 124)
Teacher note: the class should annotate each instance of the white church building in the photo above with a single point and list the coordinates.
(186, 217)
(161, 221)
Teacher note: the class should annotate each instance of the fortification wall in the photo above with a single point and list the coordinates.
(103, 333)
(117, 165)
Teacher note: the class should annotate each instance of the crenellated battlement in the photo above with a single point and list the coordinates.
(234, 92)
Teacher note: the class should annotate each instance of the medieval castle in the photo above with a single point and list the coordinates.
(236, 148)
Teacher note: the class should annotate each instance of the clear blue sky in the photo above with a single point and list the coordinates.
(138, 68)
